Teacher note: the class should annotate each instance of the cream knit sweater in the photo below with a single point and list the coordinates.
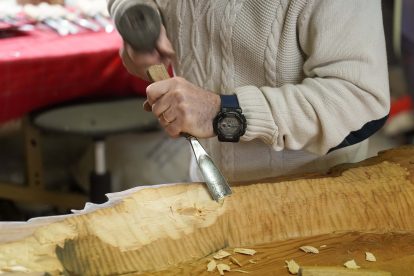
(310, 76)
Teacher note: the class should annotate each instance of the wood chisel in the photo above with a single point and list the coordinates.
(218, 186)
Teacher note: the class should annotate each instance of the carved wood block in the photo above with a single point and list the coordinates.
(179, 225)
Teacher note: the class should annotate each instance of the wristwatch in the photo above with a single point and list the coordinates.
(229, 124)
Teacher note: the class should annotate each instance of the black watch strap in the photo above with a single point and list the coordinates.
(229, 101)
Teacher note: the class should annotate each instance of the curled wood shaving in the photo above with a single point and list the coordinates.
(370, 257)
(253, 262)
(16, 269)
(323, 246)
(250, 252)
(223, 267)
(211, 266)
(310, 249)
(221, 254)
(351, 264)
(240, 271)
(235, 261)
(292, 266)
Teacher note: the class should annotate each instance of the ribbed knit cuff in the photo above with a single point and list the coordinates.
(260, 122)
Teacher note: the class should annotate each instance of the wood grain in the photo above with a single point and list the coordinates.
(329, 271)
(149, 231)
(394, 252)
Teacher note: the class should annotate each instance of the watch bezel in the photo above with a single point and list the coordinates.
(225, 112)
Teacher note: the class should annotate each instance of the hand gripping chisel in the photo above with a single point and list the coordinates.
(218, 186)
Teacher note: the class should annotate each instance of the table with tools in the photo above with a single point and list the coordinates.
(40, 67)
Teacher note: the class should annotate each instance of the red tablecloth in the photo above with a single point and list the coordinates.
(40, 68)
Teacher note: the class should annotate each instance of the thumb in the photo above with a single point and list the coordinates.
(164, 45)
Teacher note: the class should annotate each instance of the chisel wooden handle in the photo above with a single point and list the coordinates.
(158, 73)
(339, 271)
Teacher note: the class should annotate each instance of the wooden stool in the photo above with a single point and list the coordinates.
(95, 119)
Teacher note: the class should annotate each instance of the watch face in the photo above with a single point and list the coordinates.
(229, 126)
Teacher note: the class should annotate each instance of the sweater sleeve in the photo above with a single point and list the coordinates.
(344, 97)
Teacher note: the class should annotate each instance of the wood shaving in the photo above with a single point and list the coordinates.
(250, 252)
(351, 264)
(370, 257)
(221, 254)
(253, 262)
(309, 249)
(235, 261)
(189, 211)
(323, 246)
(16, 269)
(223, 267)
(293, 267)
(211, 266)
(240, 271)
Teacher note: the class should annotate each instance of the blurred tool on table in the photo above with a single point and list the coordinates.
(91, 15)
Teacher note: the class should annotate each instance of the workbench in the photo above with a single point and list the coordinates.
(176, 229)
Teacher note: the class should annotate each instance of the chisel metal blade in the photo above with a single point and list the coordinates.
(216, 183)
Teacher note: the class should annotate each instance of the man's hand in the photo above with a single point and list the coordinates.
(186, 107)
(137, 63)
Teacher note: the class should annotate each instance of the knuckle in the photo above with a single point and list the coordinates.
(182, 108)
(179, 79)
(176, 80)
(179, 95)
